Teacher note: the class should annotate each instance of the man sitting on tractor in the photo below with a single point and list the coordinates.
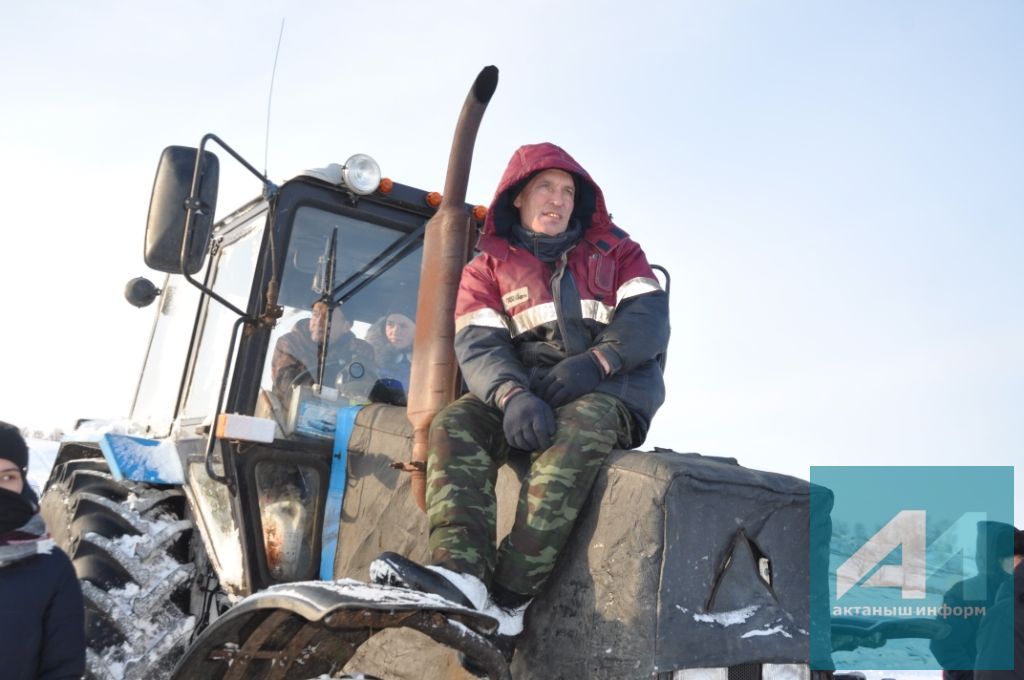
(560, 324)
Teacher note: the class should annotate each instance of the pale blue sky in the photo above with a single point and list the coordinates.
(836, 188)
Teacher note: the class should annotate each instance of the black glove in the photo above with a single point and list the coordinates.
(529, 423)
(570, 379)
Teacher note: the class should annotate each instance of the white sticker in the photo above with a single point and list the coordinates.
(517, 296)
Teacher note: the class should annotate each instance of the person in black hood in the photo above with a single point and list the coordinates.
(957, 651)
(1003, 624)
(391, 337)
(42, 621)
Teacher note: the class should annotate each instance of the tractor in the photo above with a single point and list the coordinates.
(225, 528)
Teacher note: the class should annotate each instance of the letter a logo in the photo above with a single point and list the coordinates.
(906, 530)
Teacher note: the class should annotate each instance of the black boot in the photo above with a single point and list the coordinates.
(507, 599)
(392, 569)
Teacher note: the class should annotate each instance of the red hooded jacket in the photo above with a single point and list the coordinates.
(516, 315)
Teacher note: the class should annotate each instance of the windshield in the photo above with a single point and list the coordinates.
(357, 330)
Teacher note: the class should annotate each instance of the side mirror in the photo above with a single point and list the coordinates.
(165, 226)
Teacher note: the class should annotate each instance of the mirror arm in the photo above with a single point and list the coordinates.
(269, 188)
(193, 205)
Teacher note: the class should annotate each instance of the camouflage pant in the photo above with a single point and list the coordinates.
(467, 446)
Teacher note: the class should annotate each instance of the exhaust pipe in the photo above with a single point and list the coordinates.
(447, 244)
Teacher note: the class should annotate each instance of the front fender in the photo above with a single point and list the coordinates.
(315, 627)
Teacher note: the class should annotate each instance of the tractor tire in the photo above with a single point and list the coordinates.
(129, 543)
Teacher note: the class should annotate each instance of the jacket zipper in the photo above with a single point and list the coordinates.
(569, 342)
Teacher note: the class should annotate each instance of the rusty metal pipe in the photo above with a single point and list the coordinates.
(447, 244)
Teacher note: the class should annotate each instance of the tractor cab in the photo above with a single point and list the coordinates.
(343, 274)
(285, 315)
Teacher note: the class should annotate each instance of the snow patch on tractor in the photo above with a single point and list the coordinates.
(729, 618)
(767, 631)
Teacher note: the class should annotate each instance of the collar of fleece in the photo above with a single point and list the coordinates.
(547, 248)
(24, 542)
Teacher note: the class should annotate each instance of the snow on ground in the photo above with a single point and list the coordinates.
(41, 454)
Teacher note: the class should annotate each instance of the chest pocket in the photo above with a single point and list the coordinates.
(601, 275)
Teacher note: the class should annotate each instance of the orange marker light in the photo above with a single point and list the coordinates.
(433, 199)
(479, 212)
(386, 185)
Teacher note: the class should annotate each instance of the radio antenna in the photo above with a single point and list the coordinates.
(270, 98)
(273, 310)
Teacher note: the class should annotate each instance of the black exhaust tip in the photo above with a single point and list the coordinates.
(485, 84)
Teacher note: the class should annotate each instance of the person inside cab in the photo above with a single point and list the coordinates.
(297, 353)
(391, 337)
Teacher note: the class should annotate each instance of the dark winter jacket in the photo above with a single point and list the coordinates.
(391, 362)
(957, 651)
(1006, 612)
(517, 316)
(42, 628)
(296, 358)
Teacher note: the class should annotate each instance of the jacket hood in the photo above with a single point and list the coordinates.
(994, 544)
(589, 206)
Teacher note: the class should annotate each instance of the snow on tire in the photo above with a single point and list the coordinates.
(129, 545)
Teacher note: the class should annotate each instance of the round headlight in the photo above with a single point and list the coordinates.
(361, 174)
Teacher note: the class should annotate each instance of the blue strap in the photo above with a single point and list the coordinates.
(344, 425)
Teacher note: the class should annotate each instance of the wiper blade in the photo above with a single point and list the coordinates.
(380, 264)
(326, 284)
